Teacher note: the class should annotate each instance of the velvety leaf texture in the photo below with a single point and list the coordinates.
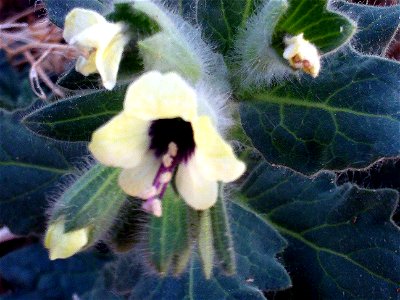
(256, 245)
(30, 167)
(75, 118)
(343, 243)
(347, 116)
(58, 9)
(33, 276)
(376, 25)
(220, 20)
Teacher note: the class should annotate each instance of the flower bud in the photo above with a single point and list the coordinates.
(302, 54)
(63, 244)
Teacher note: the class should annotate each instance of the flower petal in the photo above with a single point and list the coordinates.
(79, 19)
(121, 142)
(86, 66)
(197, 191)
(138, 181)
(108, 58)
(97, 36)
(64, 244)
(155, 96)
(214, 157)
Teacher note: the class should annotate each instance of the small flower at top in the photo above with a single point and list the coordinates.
(101, 43)
(302, 54)
(159, 135)
(63, 244)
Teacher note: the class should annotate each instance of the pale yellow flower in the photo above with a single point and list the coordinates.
(101, 41)
(63, 244)
(159, 132)
(302, 54)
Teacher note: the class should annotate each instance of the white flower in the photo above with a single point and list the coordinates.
(102, 41)
(301, 54)
(63, 244)
(159, 132)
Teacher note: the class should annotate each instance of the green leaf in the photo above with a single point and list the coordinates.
(325, 29)
(343, 243)
(93, 200)
(30, 167)
(31, 275)
(75, 118)
(169, 235)
(220, 20)
(15, 89)
(376, 25)
(129, 278)
(256, 244)
(58, 9)
(348, 116)
(74, 80)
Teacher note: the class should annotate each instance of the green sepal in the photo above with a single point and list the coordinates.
(169, 235)
(164, 53)
(125, 233)
(222, 237)
(206, 242)
(93, 201)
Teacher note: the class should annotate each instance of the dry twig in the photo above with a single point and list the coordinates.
(38, 43)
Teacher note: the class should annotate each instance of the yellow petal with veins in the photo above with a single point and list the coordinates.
(156, 96)
(79, 19)
(138, 181)
(64, 244)
(121, 142)
(198, 192)
(108, 58)
(214, 157)
(98, 35)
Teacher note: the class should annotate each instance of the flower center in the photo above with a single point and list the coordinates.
(172, 141)
(164, 131)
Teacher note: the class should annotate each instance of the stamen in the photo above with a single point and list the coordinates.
(167, 160)
(149, 193)
(172, 149)
(153, 206)
(164, 175)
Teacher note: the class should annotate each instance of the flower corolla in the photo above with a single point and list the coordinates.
(100, 42)
(160, 135)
